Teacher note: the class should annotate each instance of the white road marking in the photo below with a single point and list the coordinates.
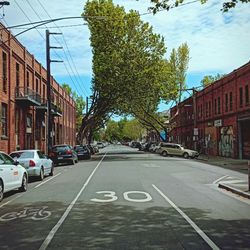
(150, 165)
(67, 211)
(148, 196)
(221, 178)
(11, 200)
(193, 225)
(46, 181)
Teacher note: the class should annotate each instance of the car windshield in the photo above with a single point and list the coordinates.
(22, 155)
(60, 148)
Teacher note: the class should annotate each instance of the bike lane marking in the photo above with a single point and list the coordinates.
(191, 223)
(67, 211)
(20, 195)
(47, 180)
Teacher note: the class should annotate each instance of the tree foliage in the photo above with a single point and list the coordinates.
(209, 79)
(80, 103)
(168, 4)
(128, 65)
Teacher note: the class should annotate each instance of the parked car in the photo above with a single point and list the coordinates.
(178, 150)
(100, 145)
(12, 175)
(83, 151)
(35, 162)
(63, 153)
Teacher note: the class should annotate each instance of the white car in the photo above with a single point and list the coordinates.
(35, 162)
(12, 175)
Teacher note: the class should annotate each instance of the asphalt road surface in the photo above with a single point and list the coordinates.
(126, 199)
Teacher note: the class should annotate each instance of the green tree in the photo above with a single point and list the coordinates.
(127, 63)
(80, 104)
(168, 4)
(209, 79)
(67, 88)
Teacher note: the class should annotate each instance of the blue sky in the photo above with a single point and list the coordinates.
(218, 42)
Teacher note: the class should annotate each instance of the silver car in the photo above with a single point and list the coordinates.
(178, 150)
(35, 162)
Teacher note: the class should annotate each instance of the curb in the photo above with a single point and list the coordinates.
(234, 190)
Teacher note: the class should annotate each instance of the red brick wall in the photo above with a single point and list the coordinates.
(228, 136)
(16, 53)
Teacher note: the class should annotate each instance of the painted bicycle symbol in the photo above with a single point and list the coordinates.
(29, 213)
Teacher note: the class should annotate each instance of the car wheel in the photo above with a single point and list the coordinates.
(186, 155)
(164, 153)
(41, 174)
(1, 190)
(52, 170)
(24, 186)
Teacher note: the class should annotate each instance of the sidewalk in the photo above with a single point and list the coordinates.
(234, 185)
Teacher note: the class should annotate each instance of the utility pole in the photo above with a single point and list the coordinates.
(49, 116)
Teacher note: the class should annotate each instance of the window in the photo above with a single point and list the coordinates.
(247, 95)
(37, 86)
(209, 108)
(4, 72)
(4, 120)
(226, 102)
(215, 106)
(218, 105)
(17, 121)
(17, 75)
(27, 79)
(29, 121)
(241, 96)
(231, 101)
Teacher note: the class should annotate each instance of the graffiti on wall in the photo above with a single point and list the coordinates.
(209, 144)
(226, 141)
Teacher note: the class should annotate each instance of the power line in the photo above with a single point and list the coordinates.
(55, 27)
(73, 63)
(44, 40)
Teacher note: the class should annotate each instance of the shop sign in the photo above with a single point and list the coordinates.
(218, 123)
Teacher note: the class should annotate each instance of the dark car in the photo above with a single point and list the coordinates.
(63, 153)
(83, 151)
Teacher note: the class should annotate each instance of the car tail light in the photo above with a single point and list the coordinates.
(32, 163)
(69, 152)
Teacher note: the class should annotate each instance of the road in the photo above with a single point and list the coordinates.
(126, 199)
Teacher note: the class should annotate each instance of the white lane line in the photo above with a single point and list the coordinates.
(193, 225)
(67, 211)
(12, 200)
(46, 181)
(221, 178)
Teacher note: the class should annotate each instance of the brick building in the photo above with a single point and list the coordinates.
(23, 101)
(216, 120)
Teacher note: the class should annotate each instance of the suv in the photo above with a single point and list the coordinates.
(178, 150)
(63, 153)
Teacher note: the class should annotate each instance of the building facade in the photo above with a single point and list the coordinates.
(23, 101)
(216, 120)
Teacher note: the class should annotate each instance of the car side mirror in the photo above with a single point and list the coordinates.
(16, 163)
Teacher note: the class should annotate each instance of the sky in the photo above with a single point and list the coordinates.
(218, 42)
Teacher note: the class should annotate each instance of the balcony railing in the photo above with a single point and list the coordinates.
(56, 110)
(27, 96)
(44, 106)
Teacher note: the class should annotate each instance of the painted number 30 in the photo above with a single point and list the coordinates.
(111, 196)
